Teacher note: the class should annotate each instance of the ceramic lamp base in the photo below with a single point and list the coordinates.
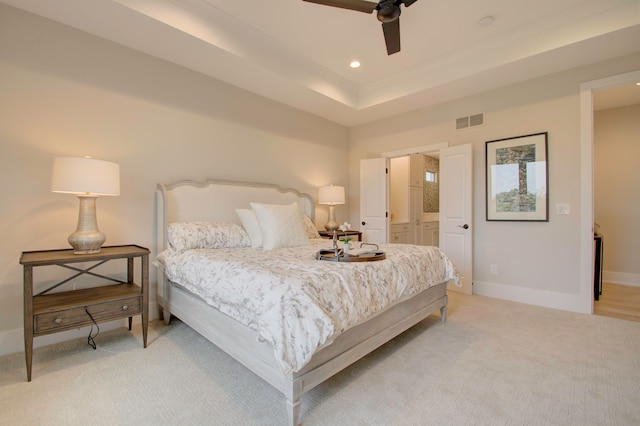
(87, 238)
(332, 225)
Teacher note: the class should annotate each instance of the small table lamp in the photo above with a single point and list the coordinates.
(87, 178)
(331, 195)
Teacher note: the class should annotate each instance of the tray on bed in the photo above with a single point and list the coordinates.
(368, 256)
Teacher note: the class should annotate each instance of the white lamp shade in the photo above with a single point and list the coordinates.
(78, 175)
(331, 195)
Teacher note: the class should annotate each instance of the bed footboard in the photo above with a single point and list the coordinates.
(237, 340)
(359, 341)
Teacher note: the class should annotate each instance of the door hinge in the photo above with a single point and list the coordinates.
(386, 170)
(386, 214)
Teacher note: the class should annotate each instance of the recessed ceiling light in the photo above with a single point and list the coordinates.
(355, 64)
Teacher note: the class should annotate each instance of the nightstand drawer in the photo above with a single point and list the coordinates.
(77, 317)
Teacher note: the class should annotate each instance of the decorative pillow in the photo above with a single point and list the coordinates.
(194, 235)
(281, 225)
(251, 225)
(309, 227)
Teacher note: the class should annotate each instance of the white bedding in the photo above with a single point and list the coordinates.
(297, 303)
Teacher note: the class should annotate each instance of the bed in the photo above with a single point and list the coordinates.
(291, 319)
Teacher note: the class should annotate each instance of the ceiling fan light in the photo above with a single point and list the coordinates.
(388, 11)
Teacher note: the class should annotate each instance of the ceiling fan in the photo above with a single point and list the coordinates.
(388, 13)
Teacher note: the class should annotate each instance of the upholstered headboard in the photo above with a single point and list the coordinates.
(217, 200)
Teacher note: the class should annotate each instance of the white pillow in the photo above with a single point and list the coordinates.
(281, 225)
(210, 235)
(309, 227)
(251, 225)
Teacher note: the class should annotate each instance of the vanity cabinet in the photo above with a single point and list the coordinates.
(399, 233)
(430, 233)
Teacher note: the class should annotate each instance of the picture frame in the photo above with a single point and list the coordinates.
(517, 178)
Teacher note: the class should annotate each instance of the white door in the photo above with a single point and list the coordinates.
(456, 211)
(373, 199)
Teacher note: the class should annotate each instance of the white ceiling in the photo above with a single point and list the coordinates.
(298, 53)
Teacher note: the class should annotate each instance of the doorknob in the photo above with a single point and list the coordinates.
(465, 226)
(364, 223)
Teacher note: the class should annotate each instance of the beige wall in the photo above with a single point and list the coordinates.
(617, 191)
(66, 93)
(538, 263)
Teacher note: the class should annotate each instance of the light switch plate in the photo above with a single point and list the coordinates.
(563, 208)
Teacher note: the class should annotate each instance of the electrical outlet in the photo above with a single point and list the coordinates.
(563, 208)
(493, 269)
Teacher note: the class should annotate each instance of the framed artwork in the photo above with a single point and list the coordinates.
(517, 178)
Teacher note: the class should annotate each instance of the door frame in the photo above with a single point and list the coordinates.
(423, 149)
(416, 150)
(587, 90)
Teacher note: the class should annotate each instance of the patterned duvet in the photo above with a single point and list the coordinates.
(297, 303)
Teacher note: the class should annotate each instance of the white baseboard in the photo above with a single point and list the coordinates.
(621, 278)
(530, 296)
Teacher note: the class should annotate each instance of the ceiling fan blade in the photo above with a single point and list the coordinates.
(359, 5)
(392, 36)
(408, 3)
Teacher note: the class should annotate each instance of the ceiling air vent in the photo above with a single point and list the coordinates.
(470, 121)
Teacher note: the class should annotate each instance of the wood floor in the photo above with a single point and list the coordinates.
(619, 301)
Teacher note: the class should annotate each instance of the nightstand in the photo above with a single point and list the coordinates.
(341, 234)
(46, 313)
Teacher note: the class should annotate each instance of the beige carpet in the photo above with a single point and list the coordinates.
(492, 363)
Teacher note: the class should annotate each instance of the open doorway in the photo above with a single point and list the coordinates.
(616, 126)
(455, 216)
(588, 92)
(407, 178)
(414, 195)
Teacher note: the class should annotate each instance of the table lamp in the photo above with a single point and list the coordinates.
(88, 178)
(331, 195)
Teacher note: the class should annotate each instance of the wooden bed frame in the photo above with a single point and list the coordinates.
(185, 201)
